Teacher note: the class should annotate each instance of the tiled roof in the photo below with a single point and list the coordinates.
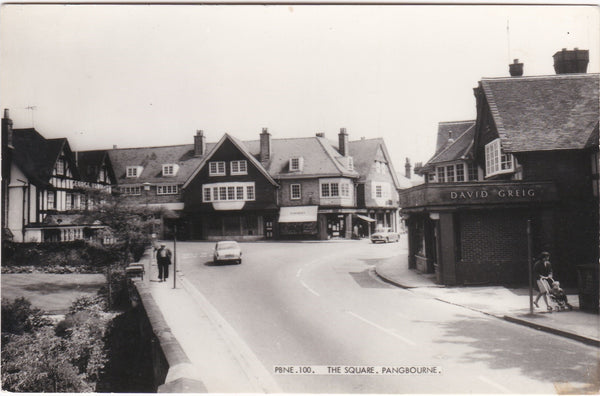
(405, 182)
(458, 149)
(320, 158)
(89, 163)
(152, 159)
(36, 155)
(450, 129)
(364, 152)
(558, 112)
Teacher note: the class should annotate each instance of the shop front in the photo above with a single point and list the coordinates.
(298, 222)
(475, 233)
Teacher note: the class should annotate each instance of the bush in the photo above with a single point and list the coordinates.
(19, 317)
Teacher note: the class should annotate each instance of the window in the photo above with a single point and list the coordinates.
(131, 190)
(335, 190)
(169, 169)
(497, 162)
(250, 193)
(431, 177)
(222, 193)
(441, 174)
(60, 166)
(345, 189)
(239, 193)
(231, 193)
(379, 191)
(460, 172)
(133, 171)
(325, 189)
(450, 173)
(239, 167)
(166, 190)
(215, 193)
(473, 173)
(295, 191)
(69, 201)
(207, 194)
(216, 168)
(51, 200)
(296, 164)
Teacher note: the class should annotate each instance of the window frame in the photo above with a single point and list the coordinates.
(239, 170)
(171, 169)
(220, 168)
(167, 189)
(295, 195)
(132, 172)
(496, 160)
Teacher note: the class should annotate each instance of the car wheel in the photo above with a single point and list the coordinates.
(387, 240)
(239, 261)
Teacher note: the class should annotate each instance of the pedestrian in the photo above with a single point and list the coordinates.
(543, 271)
(163, 259)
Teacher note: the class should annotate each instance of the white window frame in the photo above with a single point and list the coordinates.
(60, 166)
(441, 174)
(216, 168)
(460, 172)
(169, 189)
(51, 203)
(131, 190)
(133, 171)
(169, 169)
(296, 164)
(496, 161)
(345, 189)
(233, 191)
(239, 167)
(295, 194)
(378, 191)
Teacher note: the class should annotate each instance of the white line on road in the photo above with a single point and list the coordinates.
(387, 331)
(298, 273)
(309, 289)
(495, 385)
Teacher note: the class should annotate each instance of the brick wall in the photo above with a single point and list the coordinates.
(493, 247)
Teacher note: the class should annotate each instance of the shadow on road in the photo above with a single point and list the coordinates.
(569, 367)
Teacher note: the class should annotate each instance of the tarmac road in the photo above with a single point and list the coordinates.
(321, 305)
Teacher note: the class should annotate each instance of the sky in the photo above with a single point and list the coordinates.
(151, 75)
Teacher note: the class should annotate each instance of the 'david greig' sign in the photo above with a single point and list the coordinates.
(495, 194)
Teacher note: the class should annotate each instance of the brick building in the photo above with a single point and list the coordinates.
(531, 154)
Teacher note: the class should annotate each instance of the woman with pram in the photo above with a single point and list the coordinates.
(543, 271)
(558, 295)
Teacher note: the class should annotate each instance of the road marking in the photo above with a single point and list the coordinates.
(494, 384)
(298, 273)
(309, 289)
(387, 331)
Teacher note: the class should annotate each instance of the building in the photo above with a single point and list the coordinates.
(154, 177)
(43, 191)
(530, 157)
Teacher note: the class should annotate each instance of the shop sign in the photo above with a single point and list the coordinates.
(499, 193)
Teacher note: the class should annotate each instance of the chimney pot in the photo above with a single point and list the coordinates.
(574, 61)
(6, 113)
(515, 69)
(320, 134)
(343, 146)
(199, 143)
(265, 146)
(407, 167)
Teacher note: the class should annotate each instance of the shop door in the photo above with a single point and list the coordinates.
(268, 228)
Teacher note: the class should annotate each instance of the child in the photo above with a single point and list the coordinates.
(559, 295)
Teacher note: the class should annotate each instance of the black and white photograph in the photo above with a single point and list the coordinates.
(300, 198)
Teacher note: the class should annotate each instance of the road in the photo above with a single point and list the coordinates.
(320, 304)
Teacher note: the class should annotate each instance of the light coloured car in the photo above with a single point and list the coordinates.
(385, 235)
(227, 251)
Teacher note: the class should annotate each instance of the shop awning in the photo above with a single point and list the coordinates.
(365, 218)
(298, 214)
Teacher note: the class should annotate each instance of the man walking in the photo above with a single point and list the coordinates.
(163, 259)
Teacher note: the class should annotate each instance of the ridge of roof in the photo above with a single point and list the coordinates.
(149, 147)
(542, 77)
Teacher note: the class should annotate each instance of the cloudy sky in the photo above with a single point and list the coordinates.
(104, 75)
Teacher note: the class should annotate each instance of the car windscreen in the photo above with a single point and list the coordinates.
(227, 245)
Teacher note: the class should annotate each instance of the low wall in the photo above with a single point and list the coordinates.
(173, 370)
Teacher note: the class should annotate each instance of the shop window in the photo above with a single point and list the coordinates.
(216, 168)
(295, 191)
(239, 167)
(496, 161)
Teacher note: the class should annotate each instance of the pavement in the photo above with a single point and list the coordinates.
(200, 330)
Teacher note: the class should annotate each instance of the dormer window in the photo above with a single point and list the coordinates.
(296, 164)
(134, 171)
(350, 163)
(239, 167)
(60, 166)
(216, 168)
(169, 169)
(496, 161)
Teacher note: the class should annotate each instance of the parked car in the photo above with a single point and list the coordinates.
(227, 251)
(385, 235)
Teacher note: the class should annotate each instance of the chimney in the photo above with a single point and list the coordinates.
(407, 167)
(199, 144)
(516, 69)
(265, 146)
(7, 131)
(114, 146)
(574, 61)
(343, 142)
(320, 134)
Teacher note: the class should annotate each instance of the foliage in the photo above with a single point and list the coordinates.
(129, 225)
(19, 317)
(67, 358)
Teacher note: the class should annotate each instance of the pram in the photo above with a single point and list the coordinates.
(558, 296)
